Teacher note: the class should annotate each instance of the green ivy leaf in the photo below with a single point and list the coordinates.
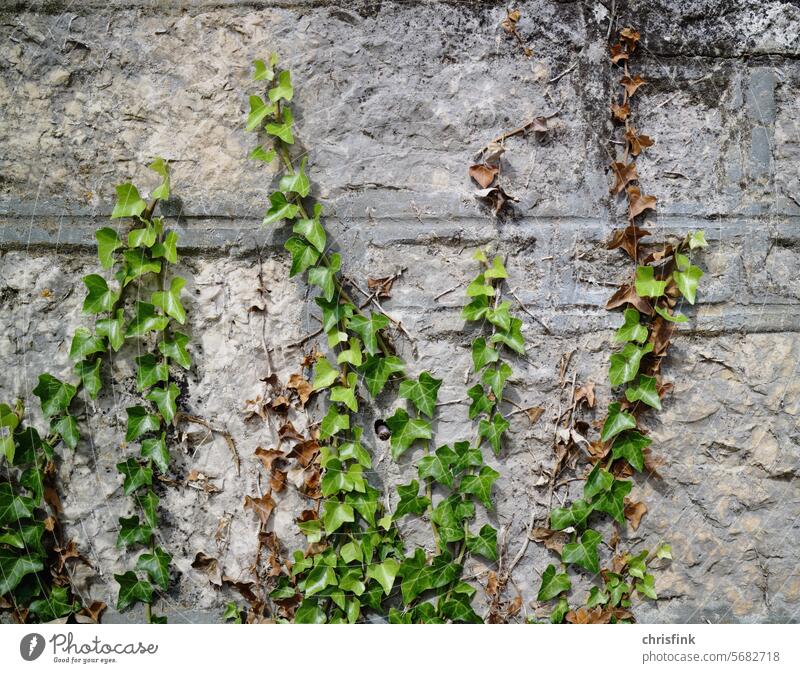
(259, 111)
(156, 565)
(477, 309)
(333, 423)
(497, 270)
(512, 337)
(496, 378)
(437, 466)
(129, 203)
(647, 587)
(297, 183)
(107, 243)
(13, 507)
(303, 254)
(596, 597)
(84, 343)
(54, 395)
(500, 316)
(150, 371)
(132, 590)
(482, 354)
(89, 374)
(560, 611)
(629, 445)
(411, 502)
(8, 423)
(377, 371)
(309, 612)
(637, 565)
(447, 520)
(131, 532)
(312, 229)
(325, 374)
(687, 281)
(282, 130)
(280, 209)
(113, 329)
(646, 284)
(484, 543)
(261, 154)
(644, 391)
(493, 431)
(99, 297)
(140, 422)
(613, 501)
(617, 421)
(575, 515)
(466, 457)
(553, 584)
(480, 404)
(352, 355)
(55, 605)
(423, 392)
(625, 363)
(170, 301)
(405, 431)
(146, 320)
(583, 553)
(664, 551)
(283, 89)
(160, 166)
(632, 329)
(143, 237)
(324, 275)
(598, 481)
(697, 239)
(384, 573)
(67, 429)
(335, 514)
(175, 349)
(480, 485)
(136, 475)
(671, 317)
(368, 329)
(366, 504)
(14, 568)
(418, 577)
(480, 288)
(319, 579)
(165, 400)
(149, 505)
(137, 263)
(355, 451)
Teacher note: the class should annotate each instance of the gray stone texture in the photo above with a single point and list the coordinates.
(392, 99)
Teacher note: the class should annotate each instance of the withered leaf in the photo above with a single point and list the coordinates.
(483, 174)
(381, 287)
(554, 540)
(491, 583)
(312, 478)
(585, 394)
(618, 53)
(620, 112)
(596, 615)
(660, 335)
(628, 239)
(631, 84)
(630, 37)
(623, 174)
(534, 413)
(496, 197)
(634, 511)
(627, 294)
(305, 452)
(287, 431)
(268, 457)
(638, 203)
(255, 407)
(91, 614)
(280, 405)
(209, 566)
(277, 480)
(303, 387)
(262, 507)
(514, 607)
(244, 588)
(509, 23)
(637, 142)
(69, 551)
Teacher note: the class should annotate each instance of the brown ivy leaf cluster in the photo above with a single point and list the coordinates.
(509, 25)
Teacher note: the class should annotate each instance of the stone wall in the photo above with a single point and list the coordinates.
(392, 100)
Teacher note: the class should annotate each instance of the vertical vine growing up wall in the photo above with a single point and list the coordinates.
(663, 274)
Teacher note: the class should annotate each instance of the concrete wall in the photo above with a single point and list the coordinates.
(392, 100)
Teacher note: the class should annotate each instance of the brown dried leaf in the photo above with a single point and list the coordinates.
(660, 335)
(618, 53)
(630, 37)
(631, 84)
(626, 294)
(209, 566)
(91, 614)
(637, 142)
(69, 551)
(514, 607)
(594, 616)
(620, 112)
(554, 540)
(483, 174)
(255, 407)
(287, 431)
(277, 480)
(496, 197)
(623, 174)
(305, 452)
(638, 203)
(268, 457)
(262, 507)
(585, 394)
(312, 477)
(491, 584)
(303, 387)
(628, 239)
(634, 511)
(509, 24)
(381, 287)
(534, 413)
(280, 405)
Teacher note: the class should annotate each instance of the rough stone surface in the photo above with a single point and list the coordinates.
(392, 101)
